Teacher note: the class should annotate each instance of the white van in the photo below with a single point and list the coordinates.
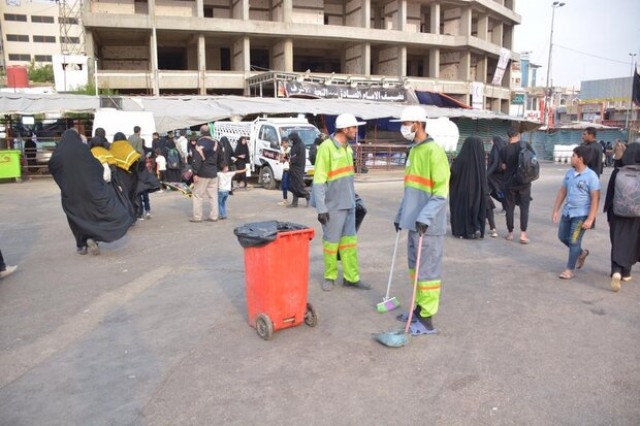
(114, 120)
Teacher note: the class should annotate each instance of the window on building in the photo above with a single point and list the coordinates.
(14, 17)
(19, 57)
(72, 21)
(42, 58)
(42, 19)
(208, 12)
(17, 37)
(44, 39)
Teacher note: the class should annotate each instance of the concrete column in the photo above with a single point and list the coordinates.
(88, 45)
(434, 63)
(366, 13)
(464, 66)
(392, 61)
(483, 27)
(402, 15)
(496, 35)
(357, 59)
(287, 12)
(282, 56)
(358, 13)
(200, 8)
(240, 55)
(202, 65)
(481, 69)
(435, 18)
(240, 9)
(153, 56)
(465, 21)
(151, 9)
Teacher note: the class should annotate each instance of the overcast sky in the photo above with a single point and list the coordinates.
(592, 39)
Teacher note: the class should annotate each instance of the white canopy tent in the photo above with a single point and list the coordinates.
(175, 112)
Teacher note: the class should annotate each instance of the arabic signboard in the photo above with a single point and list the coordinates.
(517, 98)
(331, 91)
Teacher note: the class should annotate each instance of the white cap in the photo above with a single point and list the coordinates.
(413, 113)
(347, 120)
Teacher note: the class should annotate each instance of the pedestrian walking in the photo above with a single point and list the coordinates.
(423, 212)
(581, 189)
(334, 198)
(207, 161)
(297, 162)
(517, 193)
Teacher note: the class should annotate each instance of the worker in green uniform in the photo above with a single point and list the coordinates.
(423, 212)
(333, 196)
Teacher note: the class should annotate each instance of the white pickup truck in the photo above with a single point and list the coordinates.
(264, 137)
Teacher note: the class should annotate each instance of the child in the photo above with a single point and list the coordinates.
(161, 165)
(224, 189)
(581, 188)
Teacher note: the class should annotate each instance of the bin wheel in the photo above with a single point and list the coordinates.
(264, 326)
(310, 317)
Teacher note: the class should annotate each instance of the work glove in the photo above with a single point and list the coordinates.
(323, 218)
(421, 228)
(397, 226)
(106, 174)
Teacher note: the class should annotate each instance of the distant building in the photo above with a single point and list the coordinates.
(607, 102)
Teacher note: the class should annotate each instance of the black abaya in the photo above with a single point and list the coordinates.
(624, 232)
(495, 175)
(297, 161)
(93, 208)
(468, 190)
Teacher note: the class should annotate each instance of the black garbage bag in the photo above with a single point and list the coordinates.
(361, 211)
(261, 233)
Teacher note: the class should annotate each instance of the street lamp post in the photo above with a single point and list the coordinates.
(627, 125)
(547, 92)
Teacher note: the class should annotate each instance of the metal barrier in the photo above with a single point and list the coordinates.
(381, 157)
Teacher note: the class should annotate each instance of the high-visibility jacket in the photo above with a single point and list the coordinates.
(426, 188)
(103, 155)
(333, 177)
(124, 154)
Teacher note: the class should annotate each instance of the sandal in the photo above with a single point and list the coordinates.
(417, 328)
(509, 237)
(405, 316)
(524, 241)
(566, 275)
(582, 258)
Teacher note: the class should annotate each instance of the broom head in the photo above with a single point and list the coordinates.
(387, 305)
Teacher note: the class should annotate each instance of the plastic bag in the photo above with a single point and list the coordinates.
(261, 233)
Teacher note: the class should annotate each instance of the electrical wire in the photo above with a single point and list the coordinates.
(591, 54)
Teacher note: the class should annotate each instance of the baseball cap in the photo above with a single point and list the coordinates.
(347, 120)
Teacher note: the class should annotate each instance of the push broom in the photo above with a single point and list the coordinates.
(399, 338)
(389, 304)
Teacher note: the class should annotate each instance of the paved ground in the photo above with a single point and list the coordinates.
(153, 331)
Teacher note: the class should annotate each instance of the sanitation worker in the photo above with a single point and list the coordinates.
(334, 197)
(423, 212)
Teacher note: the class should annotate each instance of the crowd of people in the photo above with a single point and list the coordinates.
(102, 199)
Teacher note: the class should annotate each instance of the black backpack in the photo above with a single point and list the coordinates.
(528, 167)
(173, 159)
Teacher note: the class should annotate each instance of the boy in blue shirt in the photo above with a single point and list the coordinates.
(581, 188)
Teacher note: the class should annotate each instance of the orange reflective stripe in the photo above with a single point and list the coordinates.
(341, 170)
(428, 287)
(329, 251)
(419, 180)
(348, 246)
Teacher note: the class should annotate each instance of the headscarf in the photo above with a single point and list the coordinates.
(99, 139)
(119, 136)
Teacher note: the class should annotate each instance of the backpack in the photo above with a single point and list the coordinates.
(173, 159)
(626, 194)
(528, 167)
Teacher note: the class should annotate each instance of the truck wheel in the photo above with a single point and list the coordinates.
(266, 177)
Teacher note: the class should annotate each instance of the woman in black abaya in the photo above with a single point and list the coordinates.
(96, 210)
(624, 232)
(468, 190)
(297, 162)
(495, 175)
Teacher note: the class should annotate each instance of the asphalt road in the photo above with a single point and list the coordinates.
(154, 331)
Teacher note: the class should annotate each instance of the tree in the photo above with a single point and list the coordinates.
(40, 73)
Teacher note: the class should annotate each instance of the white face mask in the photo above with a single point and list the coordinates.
(407, 133)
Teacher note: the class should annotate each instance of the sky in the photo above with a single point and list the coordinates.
(592, 39)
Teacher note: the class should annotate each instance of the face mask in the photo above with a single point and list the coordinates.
(407, 133)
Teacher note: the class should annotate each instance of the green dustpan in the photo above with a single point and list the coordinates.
(392, 339)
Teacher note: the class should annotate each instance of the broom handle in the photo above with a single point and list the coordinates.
(393, 263)
(415, 286)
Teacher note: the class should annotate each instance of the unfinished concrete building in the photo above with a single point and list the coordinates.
(215, 46)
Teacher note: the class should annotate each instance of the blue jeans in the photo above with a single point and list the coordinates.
(570, 232)
(285, 183)
(144, 203)
(222, 204)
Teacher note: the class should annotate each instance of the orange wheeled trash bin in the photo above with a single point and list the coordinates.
(277, 276)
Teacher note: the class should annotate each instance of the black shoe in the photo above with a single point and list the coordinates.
(427, 322)
(93, 246)
(360, 285)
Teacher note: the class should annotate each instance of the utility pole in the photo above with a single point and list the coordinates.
(548, 95)
(627, 125)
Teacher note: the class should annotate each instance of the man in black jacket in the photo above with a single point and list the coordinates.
(594, 162)
(207, 161)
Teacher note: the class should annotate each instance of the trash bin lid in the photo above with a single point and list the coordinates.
(258, 234)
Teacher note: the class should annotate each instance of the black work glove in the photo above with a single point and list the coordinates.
(323, 218)
(421, 228)
(397, 226)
